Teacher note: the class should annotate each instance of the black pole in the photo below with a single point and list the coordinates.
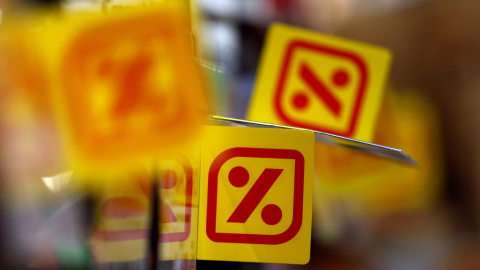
(153, 247)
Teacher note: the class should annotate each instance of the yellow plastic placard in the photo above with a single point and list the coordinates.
(316, 81)
(119, 85)
(123, 213)
(256, 195)
(376, 185)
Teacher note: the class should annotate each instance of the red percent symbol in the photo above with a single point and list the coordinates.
(271, 214)
(340, 79)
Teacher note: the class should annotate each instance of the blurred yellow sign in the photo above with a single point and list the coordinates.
(124, 88)
(372, 187)
(315, 81)
(256, 201)
(30, 139)
(122, 229)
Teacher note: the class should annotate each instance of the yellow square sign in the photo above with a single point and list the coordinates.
(120, 88)
(256, 195)
(315, 81)
(122, 231)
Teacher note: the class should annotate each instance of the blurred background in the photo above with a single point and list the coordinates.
(369, 213)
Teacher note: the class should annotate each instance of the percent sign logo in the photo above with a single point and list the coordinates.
(124, 207)
(239, 177)
(122, 90)
(340, 79)
(271, 214)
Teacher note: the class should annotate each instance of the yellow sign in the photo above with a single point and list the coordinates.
(256, 195)
(366, 186)
(377, 185)
(120, 85)
(122, 231)
(315, 81)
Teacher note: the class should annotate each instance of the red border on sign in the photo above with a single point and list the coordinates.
(136, 234)
(296, 224)
(299, 44)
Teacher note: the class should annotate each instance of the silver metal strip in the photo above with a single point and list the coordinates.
(375, 149)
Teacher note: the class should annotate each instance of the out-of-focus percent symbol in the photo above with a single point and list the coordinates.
(340, 93)
(122, 88)
(169, 181)
(174, 184)
(271, 214)
(177, 185)
(340, 79)
(320, 82)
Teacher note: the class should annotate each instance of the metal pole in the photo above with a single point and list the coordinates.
(153, 247)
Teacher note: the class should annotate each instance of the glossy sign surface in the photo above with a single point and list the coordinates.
(256, 187)
(320, 82)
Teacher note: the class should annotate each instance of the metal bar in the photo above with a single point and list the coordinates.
(323, 137)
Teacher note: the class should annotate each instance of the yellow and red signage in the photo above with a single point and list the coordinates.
(118, 84)
(372, 187)
(122, 229)
(320, 82)
(256, 195)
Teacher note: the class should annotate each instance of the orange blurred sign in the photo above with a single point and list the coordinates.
(126, 85)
